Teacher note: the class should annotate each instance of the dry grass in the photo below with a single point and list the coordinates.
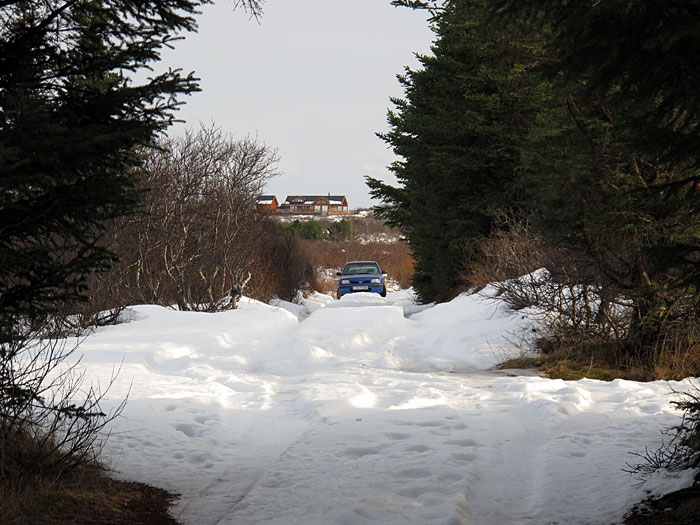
(675, 357)
(393, 256)
(84, 497)
(677, 354)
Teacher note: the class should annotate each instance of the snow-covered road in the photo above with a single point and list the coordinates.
(368, 410)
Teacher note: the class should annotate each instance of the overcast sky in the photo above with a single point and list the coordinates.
(312, 79)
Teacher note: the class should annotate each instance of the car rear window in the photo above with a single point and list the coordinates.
(360, 268)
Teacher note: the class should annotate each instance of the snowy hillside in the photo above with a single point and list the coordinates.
(368, 410)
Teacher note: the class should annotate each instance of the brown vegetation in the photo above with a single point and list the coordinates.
(373, 241)
(200, 242)
(585, 323)
(677, 508)
(86, 496)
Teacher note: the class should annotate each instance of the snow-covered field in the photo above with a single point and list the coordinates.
(368, 410)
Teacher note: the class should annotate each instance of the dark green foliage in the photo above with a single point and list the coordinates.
(614, 179)
(573, 120)
(310, 229)
(69, 120)
(689, 430)
(635, 65)
(612, 208)
(342, 230)
(458, 133)
(626, 196)
(646, 52)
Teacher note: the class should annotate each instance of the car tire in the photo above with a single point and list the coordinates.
(383, 294)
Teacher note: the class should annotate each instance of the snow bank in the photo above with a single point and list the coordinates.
(368, 409)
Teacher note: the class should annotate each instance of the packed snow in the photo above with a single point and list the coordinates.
(368, 410)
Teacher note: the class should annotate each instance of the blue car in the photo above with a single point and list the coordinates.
(361, 276)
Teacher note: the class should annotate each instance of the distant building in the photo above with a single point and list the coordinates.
(314, 205)
(267, 203)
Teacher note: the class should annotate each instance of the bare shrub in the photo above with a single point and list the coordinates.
(582, 316)
(104, 304)
(196, 243)
(571, 302)
(676, 355)
(514, 249)
(401, 267)
(50, 421)
(201, 242)
(370, 229)
(283, 268)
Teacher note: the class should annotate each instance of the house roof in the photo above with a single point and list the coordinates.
(308, 199)
(266, 199)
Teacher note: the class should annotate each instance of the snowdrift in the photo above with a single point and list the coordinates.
(368, 410)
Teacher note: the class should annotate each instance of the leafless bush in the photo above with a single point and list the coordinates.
(676, 355)
(582, 316)
(200, 243)
(283, 268)
(196, 243)
(571, 302)
(514, 249)
(104, 305)
(50, 421)
(370, 229)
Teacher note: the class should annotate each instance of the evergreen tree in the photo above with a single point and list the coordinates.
(616, 180)
(70, 117)
(342, 230)
(71, 120)
(458, 134)
(310, 229)
(644, 53)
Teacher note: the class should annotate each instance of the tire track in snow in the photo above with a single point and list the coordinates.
(509, 473)
(253, 453)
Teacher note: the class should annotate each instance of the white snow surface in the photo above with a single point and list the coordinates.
(368, 410)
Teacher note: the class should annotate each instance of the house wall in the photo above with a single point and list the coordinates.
(321, 207)
(309, 210)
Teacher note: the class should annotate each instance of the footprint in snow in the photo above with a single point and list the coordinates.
(191, 431)
(415, 473)
(417, 448)
(462, 442)
(397, 436)
(359, 452)
(463, 458)
(431, 424)
(205, 419)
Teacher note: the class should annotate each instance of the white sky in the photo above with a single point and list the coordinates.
(312, 80)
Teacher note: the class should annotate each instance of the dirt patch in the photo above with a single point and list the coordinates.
(677, 508)
(96, 500)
